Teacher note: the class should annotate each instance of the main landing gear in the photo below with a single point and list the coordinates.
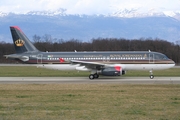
(93, 76)
(151, 74)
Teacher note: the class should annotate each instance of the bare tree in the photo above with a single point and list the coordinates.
(48, 43)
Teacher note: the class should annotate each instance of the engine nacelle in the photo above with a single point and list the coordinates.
(111, 71)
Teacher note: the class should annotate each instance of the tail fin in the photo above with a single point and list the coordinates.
(21, 42)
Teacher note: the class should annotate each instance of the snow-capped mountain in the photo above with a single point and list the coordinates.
(123, 13)
(3, 14)
(42, 13)
(60, 11)
(126, 23)
(136, 12)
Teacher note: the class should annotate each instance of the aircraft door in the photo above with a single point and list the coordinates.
(39, 58)
(151, 58)
(106, 59)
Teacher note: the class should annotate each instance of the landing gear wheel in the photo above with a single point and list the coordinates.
(91, 76)
(96, 76)
(151, 76)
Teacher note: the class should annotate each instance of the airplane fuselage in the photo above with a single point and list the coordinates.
(129, 60)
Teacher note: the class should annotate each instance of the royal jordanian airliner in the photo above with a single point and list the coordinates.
(106, 63)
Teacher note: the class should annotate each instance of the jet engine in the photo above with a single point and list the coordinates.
(112, 71)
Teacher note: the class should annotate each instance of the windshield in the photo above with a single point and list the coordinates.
(161, 57)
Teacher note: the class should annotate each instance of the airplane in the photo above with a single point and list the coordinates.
(106, 63)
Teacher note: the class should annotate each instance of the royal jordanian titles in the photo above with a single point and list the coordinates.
(106, 63)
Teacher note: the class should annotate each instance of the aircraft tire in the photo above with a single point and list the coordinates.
(96, 76)
(151, 76)
(91, 76)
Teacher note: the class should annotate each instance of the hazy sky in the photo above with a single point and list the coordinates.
(88, 6)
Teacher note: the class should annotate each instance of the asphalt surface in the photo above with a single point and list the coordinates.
(85, 80)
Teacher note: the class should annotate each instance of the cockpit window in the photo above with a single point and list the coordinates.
(160, 57)
(165, 57)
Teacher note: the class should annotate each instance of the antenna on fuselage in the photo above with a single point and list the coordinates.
(149, 50)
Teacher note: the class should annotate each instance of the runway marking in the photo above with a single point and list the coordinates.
(119, 80)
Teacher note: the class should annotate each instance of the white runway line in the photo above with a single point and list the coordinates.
(120, 80)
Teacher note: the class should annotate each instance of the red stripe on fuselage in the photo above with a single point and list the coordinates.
(61, 60)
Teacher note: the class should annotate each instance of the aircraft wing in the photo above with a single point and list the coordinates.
(91, 65)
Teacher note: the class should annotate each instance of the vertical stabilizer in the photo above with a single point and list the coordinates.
(21, 42)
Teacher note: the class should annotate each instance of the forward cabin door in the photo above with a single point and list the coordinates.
(151, 58)
(39, 58)
(106, 59)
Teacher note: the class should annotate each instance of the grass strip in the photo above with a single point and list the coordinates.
(32, 71)
(89, 101)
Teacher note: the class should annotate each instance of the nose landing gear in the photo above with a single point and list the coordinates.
(151, 74)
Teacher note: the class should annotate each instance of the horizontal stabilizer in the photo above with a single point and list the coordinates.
(16, 56)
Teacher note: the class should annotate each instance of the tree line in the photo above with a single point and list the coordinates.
(47, 43)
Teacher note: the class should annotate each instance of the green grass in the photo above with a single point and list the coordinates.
(168, 72)
(89, 101)
(32, 71)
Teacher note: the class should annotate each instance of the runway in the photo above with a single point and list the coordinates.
(85, 80)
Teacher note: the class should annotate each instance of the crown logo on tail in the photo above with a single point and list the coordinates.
(19, 42)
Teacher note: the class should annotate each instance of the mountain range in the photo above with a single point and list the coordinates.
(127, 23)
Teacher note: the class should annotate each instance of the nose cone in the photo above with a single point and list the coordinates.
(172, 63)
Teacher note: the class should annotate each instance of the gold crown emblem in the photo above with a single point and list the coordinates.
(19, 42)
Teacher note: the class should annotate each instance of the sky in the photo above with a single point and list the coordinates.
(88, 7)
